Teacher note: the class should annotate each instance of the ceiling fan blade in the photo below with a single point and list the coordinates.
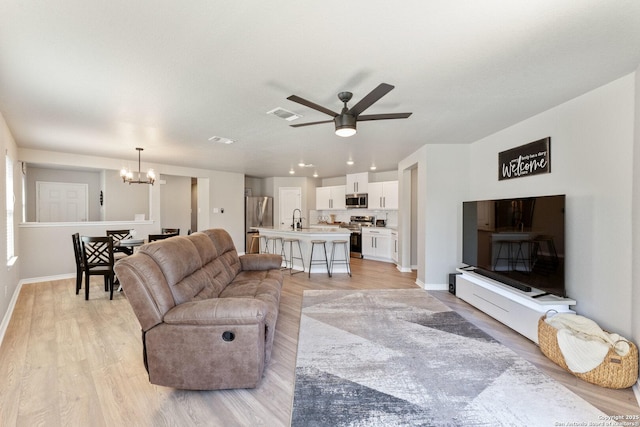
(371, 98)
(313, 105)
(383, 116)
(310, 123)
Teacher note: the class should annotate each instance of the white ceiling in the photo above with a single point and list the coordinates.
(101, 78)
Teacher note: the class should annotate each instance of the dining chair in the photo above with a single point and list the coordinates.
(170, 231)
(118, 235)
(154, 237)
(77, 252)
(98, 261)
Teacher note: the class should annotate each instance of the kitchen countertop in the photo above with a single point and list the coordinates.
(307, 230)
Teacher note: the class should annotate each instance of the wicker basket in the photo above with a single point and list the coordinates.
(614, 372)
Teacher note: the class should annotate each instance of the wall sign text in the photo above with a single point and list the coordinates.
(529, 159)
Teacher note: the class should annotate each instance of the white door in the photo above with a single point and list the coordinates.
(290, 199)
(61, 202)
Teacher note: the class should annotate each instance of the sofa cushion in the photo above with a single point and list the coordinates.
(191, 266)
(218, 311)
(177, 257)
(226, 250)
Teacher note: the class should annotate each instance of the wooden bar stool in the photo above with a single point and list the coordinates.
(255, 240)
(289, 261)
(346, 260)
(325, 261)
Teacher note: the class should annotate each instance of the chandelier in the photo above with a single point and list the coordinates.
(127, 175)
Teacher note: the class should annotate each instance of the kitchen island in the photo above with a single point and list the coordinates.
(306, 235)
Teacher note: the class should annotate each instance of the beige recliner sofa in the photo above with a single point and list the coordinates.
(208, 316)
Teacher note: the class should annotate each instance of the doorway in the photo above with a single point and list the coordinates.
(290, 198)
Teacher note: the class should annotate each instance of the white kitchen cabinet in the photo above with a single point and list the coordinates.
(357, 183)
(383, 195)
(394, 245)
(330, 197)
(376, 244)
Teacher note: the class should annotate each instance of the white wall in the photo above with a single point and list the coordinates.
(122, 201)
(175, 202)
(442, 186)
(9, 276)
(47, 250)
(308, 190)
(226, 191)
(635, 217)
(592, 140)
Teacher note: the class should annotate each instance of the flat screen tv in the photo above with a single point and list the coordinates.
(519, 242)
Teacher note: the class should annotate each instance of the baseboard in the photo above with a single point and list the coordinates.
(7, 316)
(436, 287)
(420, 283)
(403, 269)
(48, 278)
(636, 391)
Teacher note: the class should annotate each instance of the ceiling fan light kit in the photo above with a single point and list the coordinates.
(345, 125)
(345, 122)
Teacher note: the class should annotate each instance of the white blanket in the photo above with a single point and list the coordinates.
(583, 343)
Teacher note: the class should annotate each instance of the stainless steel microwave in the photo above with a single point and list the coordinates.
(357, 200)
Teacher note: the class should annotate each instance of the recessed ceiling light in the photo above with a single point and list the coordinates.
(350, 162)
(373, 168)
(301, 164)
(221, 140)
(291, 172)
(315, 174)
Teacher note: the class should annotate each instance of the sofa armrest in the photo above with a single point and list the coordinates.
(260, 261)
(218, 311)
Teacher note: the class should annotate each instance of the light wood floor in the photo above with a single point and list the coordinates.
(70, 362)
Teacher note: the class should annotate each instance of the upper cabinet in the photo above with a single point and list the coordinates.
(383, 195)
(357, 183)
(330, 197)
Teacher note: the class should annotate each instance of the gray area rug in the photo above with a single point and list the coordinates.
(401, 357)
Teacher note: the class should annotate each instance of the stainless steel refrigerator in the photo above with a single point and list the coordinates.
(258, 212)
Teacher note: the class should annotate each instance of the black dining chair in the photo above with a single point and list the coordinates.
(98, 261)
(77, 252)
(170, 231)
(154, 237)
(118, 235)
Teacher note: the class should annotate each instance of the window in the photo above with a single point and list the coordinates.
(10, 203)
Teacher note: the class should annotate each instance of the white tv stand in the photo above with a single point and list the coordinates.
(515, 308)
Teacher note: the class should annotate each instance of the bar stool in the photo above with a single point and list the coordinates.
(255, 239)
(504, 244)
(275, 240)
(345, 260)
(325, 261)
(289, 261)
(263, 243)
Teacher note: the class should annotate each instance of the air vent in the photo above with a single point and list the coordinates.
(284, 114)
(221, 140)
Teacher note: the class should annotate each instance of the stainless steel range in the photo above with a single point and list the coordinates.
(355, 225)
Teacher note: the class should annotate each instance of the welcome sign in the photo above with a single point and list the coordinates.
(529, 159)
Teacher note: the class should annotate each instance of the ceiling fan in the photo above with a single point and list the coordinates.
(345, 121)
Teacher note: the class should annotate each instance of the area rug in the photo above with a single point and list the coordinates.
(401, 357)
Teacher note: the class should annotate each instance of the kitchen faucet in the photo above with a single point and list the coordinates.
(295, 225)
